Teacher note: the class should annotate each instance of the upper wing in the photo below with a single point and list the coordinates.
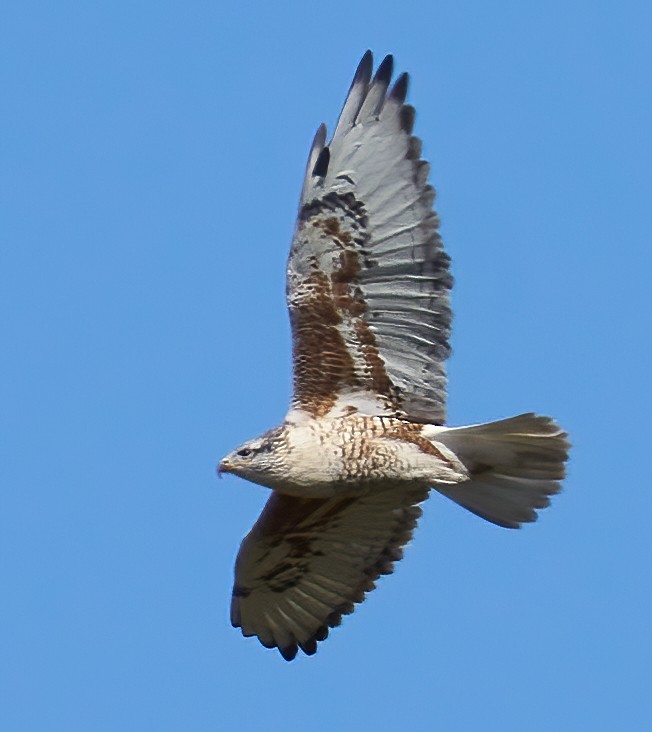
(307, 561)
(368, 281)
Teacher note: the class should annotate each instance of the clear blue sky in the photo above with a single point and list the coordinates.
(151, 156)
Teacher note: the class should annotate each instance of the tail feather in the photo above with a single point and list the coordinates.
(514, 466)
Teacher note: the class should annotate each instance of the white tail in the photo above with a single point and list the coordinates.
(514, 466)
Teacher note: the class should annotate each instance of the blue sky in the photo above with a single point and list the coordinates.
(150, 162)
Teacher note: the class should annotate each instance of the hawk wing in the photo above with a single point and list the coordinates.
(307, 561)
(368, 281)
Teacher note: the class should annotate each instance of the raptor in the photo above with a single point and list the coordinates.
(365, 439)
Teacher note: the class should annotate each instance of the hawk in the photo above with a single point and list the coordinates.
(364, 440)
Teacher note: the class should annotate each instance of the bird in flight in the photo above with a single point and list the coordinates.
(364, 440)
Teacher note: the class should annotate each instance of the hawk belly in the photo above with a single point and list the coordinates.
(355, 454)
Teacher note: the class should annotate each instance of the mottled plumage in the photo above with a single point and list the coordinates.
(364, 440)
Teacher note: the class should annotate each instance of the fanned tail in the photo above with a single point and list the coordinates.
(515, 465)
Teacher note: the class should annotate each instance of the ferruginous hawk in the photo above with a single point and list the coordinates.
(364, 440)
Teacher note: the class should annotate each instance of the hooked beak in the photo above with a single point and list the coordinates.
(223, 467)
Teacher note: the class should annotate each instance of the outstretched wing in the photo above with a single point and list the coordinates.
(368, 281)
(306, 562)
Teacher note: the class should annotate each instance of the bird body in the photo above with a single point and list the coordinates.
(365, 440)
(346, 456)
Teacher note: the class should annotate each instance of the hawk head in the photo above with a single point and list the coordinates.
(262, 460)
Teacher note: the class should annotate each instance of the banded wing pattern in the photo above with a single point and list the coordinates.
(307, 561)
(368, 281)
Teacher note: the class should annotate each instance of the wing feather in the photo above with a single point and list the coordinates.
(306, 562)
(357, 92)
(318, 143)
(368, 280)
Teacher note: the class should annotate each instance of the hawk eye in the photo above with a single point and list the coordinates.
(245, 452)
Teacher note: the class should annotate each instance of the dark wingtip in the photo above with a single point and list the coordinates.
(365, 67)
(385, 70)
(309, 647)
(407, 115)
(289, 652)
(400, 89)
(321, 165)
